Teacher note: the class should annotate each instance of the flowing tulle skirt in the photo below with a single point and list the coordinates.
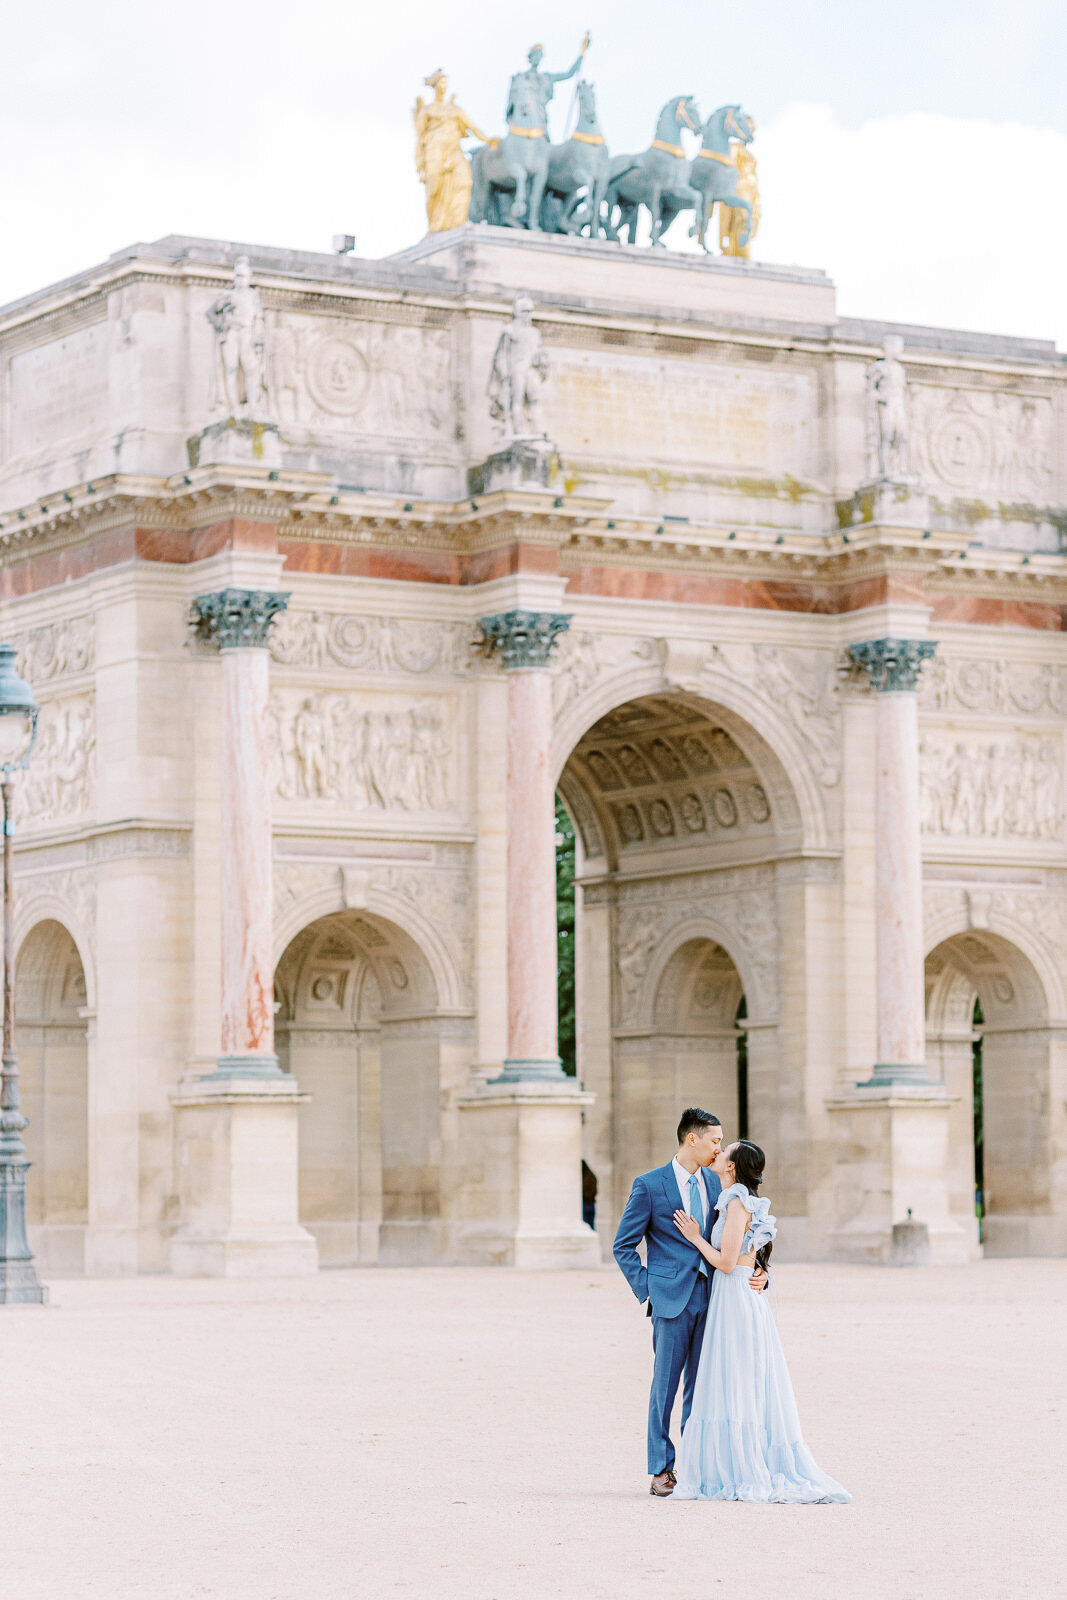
(743, 1438)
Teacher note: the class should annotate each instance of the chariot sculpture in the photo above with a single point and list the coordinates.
(522, 180)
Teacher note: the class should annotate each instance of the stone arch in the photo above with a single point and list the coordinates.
(360, 1026)
(1025, 1213)
(739, 705)
(335, 894)
(683, 811)
(34, 905)
(702, 929)
(52, 1039)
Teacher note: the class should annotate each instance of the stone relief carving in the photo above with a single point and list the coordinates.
(74, 888)
(581, 658)
(1011, 688)
(647, 913)
(372, 644)
(1003, 789)
(58, 783)
(326, 748)
(384, 376)
(976, 443)
(802, 684)
(56, 650)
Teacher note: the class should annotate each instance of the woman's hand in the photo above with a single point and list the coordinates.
(687, 1225)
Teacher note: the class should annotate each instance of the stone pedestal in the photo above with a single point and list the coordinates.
(887, 504)
(525, 463)
(237, 1180)
(521, 1147)
(891, 1159)
(236, 442)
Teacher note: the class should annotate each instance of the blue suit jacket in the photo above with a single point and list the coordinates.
(673, 1263)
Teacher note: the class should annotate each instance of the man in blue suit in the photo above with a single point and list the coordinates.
(676, 1281)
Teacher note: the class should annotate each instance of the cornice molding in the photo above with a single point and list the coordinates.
(307, 507)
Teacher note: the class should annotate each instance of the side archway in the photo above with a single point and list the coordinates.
(359, 1026)
(53, 1048)
(990, 1038)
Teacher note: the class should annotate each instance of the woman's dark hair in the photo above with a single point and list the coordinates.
(748, 1162)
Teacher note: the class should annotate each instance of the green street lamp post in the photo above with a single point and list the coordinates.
(19, 1283)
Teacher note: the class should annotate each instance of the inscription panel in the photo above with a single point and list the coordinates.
(674, 411)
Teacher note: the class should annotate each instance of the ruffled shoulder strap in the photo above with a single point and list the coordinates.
(736, 1191)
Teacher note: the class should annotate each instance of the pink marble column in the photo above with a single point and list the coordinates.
(893, 666)
(524, 639)
(240, 621)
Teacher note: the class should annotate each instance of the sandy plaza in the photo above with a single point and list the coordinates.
(473, 1435)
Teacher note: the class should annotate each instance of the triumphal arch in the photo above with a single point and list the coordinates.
(330, 573)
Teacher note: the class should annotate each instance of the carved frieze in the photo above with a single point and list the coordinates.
(383, 377)
(996, 687)
(982, 445)
(995, 789)
(58, 784)
(392, 756)
(354, 643)
(56, 650)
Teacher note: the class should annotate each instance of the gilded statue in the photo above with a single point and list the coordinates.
(439, 157)
(732, 219)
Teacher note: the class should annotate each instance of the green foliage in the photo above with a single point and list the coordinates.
(565, 938)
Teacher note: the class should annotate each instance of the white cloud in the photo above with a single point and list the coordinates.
(922, 218)
(917, 218)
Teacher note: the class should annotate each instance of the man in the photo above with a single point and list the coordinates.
(541, 83)
(676, 1281)
(519, 368)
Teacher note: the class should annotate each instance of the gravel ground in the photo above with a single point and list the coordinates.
(480, 1434)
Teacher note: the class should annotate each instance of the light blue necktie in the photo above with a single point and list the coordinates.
(697, 1210)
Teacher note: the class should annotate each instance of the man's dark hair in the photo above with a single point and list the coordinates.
(693, 1120)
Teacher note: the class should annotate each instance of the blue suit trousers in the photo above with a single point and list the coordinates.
(676, 1343)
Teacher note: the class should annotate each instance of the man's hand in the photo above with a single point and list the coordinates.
(758, 1280)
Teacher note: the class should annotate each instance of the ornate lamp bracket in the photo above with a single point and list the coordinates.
(522, 638)
(892, 665)
(237, 619)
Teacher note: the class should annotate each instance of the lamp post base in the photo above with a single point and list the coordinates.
(19, 1283)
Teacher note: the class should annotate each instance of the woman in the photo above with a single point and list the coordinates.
(439, 157)
(743, 1439)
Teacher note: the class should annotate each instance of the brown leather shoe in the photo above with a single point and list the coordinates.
(663, 1484)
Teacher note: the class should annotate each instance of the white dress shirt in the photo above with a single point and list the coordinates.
(683, 1189)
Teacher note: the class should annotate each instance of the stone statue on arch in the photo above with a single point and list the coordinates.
(239, 375)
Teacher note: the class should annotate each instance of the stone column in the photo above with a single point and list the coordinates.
(239, 620)
(237, 1125)
(892, 1165)
(520, 1132)
(524, 641)
(893, 666)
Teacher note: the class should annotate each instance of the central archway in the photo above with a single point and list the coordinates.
(682, 813)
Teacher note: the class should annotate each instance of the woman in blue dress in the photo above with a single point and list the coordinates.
(743, 1438)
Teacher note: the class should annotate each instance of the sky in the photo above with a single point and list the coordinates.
(915, 151)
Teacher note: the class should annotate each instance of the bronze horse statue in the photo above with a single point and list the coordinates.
(577, 174)
(657, 179)
(713, 173)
